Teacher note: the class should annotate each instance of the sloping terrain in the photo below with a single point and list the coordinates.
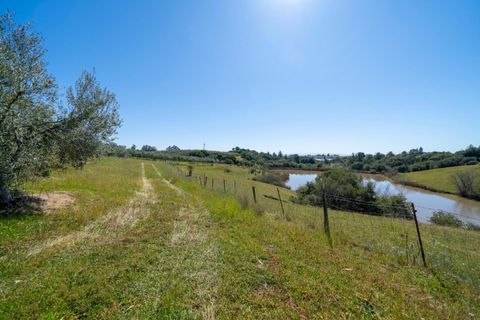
(142, 241)
(438, 179)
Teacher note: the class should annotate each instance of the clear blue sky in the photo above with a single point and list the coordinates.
(299, 76)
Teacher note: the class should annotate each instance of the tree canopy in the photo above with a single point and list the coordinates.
(37, 129)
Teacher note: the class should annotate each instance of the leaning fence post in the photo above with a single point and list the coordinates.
(254, 194)
(281, 203)
(414, 211)
(326, 224)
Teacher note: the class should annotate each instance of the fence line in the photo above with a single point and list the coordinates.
(402, 233)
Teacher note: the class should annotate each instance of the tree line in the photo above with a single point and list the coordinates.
(236, 156)
(413, 160)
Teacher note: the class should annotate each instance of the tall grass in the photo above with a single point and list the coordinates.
(204, 252)
(446, 249)
(381, 242)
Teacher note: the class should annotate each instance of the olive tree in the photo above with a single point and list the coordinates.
(37, 131)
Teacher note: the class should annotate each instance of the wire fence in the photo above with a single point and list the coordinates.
(392, 230)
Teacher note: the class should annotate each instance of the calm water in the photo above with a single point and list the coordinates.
(297, 180)
(426, 202)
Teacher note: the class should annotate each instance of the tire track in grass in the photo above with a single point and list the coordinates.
(109, 226)
(195, 250)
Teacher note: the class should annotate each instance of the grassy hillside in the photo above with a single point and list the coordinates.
(437, 179)
(141, 241)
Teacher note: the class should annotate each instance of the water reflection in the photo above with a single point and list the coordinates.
(426, 202)
(297, 180)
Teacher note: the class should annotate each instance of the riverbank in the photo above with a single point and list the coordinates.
(402, 180)
(299, 171)
(406, 182)
(439, 180)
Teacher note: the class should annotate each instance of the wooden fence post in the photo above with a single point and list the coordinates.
(414, 211)
(281, 203)
(212, 183)
(205, 182)
(235, 186)
(254, 195)
(224, 186)
(326, 223)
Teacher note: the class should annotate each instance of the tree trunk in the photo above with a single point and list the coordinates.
(5, 194)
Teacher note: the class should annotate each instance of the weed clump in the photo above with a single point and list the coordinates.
(443, 218)
(243, 200)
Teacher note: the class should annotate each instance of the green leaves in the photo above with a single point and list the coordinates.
(36, 131)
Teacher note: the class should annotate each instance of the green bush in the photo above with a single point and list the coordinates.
(274, 178)
(345, 191)
(472, 226)
(446, 219)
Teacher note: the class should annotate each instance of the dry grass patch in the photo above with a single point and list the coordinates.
(109, 226)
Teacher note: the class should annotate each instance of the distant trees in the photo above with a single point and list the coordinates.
(414, 160)
(148, 148)
(472, 151)
(296, 158)
(358, 166)
(37, 131)
(236, 156)
(173, 148)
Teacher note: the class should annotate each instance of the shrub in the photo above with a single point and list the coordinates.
(345, 191)
(465, 182)
(472, 226)
(446, 219)
(357, 166)
(274, 178)
(395, 205)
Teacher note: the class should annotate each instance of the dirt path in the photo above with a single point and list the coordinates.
(188, 248)
(192, 241)
(110, 225)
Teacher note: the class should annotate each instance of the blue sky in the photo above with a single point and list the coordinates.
(301, 76)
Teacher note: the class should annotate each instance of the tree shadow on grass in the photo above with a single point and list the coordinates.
(23, 205)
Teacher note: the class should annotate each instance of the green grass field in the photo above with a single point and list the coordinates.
(437, 179)
(142, 241)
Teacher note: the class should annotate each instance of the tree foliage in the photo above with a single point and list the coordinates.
(413, 160)
(37, 131)
(344, 190)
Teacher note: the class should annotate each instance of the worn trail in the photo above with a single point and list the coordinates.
(110, 225)
(193, 243)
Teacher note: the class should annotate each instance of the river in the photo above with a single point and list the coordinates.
(425, 201)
